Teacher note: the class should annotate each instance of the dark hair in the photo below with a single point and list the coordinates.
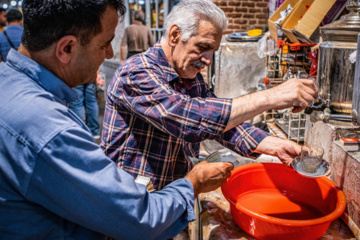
(46, 21)
(13, 15)
(2, 10)
(139, 15)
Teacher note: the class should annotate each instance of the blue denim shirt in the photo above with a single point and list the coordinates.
(56, 182)
(14, 32)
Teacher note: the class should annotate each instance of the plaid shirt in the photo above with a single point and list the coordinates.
(154, 121)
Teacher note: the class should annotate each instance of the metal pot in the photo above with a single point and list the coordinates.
(335, 71)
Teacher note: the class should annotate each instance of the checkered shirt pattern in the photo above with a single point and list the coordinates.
(154, 121)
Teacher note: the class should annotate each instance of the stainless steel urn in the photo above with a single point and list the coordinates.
(335, 71)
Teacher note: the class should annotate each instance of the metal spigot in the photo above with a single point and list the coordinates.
(316, 109)
(319, 110)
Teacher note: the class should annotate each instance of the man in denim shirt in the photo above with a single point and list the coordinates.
(56, 182)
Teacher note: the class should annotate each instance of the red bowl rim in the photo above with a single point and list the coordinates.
(340, 208)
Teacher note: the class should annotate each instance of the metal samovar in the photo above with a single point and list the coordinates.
(335, 71)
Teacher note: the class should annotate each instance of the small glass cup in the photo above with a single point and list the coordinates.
(311, 157)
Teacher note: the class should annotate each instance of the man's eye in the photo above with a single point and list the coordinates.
(106, 45)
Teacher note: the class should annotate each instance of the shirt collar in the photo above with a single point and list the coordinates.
(8, 27)
(169, 71)
(43, 77)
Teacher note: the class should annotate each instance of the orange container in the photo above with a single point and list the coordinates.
(272, 201)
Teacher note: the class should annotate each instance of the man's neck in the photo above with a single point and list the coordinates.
(24, 51)
(137, 22)
(15, 23)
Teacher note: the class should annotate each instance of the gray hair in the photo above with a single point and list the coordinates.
(139, 15)
(188, 14)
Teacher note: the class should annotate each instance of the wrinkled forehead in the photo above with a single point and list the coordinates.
(208, 34)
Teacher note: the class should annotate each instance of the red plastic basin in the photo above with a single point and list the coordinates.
(272, 201)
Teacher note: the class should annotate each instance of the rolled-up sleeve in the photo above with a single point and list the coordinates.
(79, 183)
(243, 139)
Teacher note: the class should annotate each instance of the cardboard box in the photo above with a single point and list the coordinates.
(289, 25)
(303, 25)
(273, 26)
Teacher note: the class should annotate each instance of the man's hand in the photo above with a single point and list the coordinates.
(296, 93)
(285, 150)
(99, 80)
(206, 176)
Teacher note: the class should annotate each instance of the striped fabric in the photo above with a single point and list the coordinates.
(154, 121)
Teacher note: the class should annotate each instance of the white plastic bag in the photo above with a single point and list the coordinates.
(266, 46)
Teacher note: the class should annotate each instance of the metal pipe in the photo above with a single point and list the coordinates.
(341, 117)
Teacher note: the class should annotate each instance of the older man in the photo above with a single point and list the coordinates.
(56, 182)
(159, 108)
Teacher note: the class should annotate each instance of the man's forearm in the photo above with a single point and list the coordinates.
(246, 107)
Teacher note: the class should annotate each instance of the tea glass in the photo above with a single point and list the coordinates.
(311, 157)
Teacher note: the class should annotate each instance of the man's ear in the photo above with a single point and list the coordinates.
(65, 48)
(174, 35)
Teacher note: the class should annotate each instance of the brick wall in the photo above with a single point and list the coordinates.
(244, 15)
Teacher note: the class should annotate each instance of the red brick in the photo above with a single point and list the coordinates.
(261, 16)
(241, 9)
(242, 29)
(249, 16)
(252, 22)
(240, 21)
(234, 15)
(261, 4)
(233, 27)
(255, 10)
(248, 4)
(236, 3)
(263, 21)
(228, 9)
(221, 3)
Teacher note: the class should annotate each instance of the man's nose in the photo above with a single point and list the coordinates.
(207, 57)
(109, 52)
